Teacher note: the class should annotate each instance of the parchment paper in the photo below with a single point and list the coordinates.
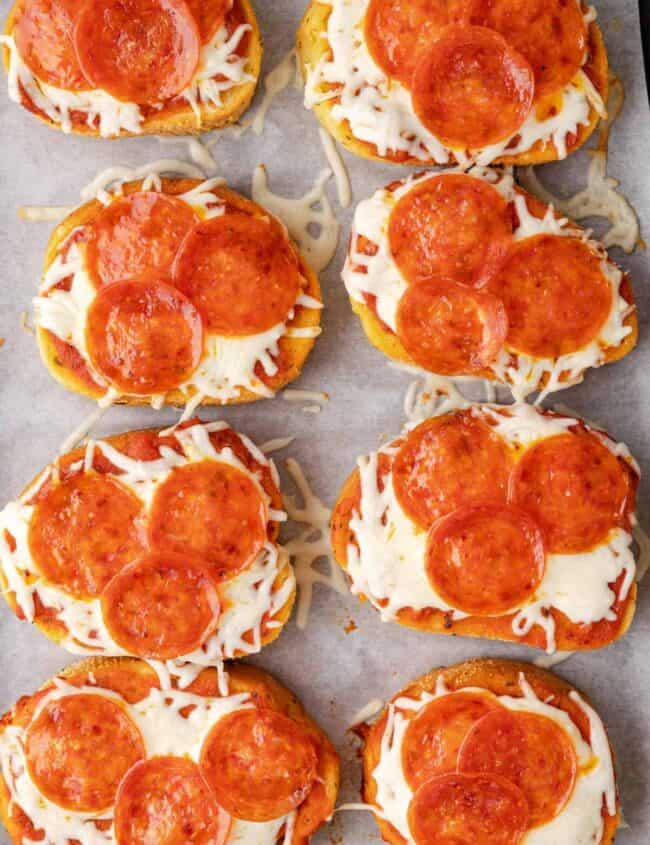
(334, 672)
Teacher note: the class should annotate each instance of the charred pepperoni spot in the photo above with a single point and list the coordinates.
(472, 88)
(260, 764)
(166, 800)
(79, 748)
(485, 560)
(83, 531)
(452, 227)
(531, 751)
(447, 462)
(555, 293)
(240, 273)
(140, 51)
(468, 809)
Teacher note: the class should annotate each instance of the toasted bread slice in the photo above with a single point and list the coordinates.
(176, 117)
(68, 368)
(313, 45)
(500, 677)
(132, 679)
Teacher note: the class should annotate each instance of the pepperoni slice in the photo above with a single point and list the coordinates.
(260, 764)
(447, 462)
(79, 748)
(135, 235)
(433, 738)
(166, 800)
(140, 51)
(451, 329)
(555, 294)
(472, 88)
(528, 749)
(210, 15)
(212, 510)
(143, 337)
(162, 606)
(42, 33)
(486, 560)
(83, 531)
(472, 809)
(239, 272)
(575, 488)
(396, 31)
(551, 34)
(449, 227)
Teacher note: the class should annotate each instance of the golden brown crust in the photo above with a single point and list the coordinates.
(386, 341)
(296, 349)
(501, 677)
(312, 45)
(569, 636)
(136, 675)
(54, 630)
(182, 120)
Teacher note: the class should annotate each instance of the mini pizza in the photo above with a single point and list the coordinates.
(133, 67)
(465, 81)
(506, 522)
(156, 544)
(490, 752)
(175, 292)
(466, 274)
(112, 751)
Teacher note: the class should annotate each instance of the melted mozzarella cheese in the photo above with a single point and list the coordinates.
(386, 564)
(249, 599)
(378, 275)
(379, 110)
(165, 730)
(220, 69)
(581, 820)
(227, 366)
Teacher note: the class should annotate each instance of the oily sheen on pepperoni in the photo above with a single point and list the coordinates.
(162, 606)
(397, 30)
(212, 510)
(239, 272)
(576, 489)
(140, 51)
(468, 809)
(449, 328)
(556, 296)
(43, 35)
(260, 764)
(79, 748)
(447, 462)
(210, 15)
(485, 560)
(449, 227)
(531, 751)
(551, 34)
(83, 531)
(433, 738)
(472, 88)
(166, 801)
(136, 235)
(144, 337)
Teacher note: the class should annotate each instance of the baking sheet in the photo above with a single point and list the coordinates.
(345, 656)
